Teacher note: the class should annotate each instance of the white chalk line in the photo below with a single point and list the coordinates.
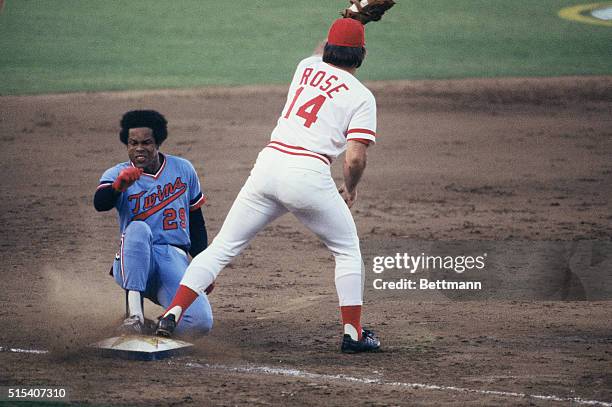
(307, 375)
(18, 350)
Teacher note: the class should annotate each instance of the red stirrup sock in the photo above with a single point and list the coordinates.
(183, 298)
(351, 321)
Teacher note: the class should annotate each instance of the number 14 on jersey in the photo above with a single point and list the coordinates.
(307, 111)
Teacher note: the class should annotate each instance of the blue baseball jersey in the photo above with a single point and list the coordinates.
(161, 200)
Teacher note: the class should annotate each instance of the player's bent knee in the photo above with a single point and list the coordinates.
(138, 228)
(202, 326)
(198, 319)
(195, 325)
(136, 241)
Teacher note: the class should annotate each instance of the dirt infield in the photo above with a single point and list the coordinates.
(515, 160)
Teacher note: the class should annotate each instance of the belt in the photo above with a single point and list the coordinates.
(296, 150)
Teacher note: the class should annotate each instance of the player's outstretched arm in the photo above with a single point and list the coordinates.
(354, 165)
(107, 193)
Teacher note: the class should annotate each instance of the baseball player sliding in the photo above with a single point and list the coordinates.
(158, 200)
(328, 111)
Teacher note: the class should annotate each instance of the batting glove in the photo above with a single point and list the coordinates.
(126, 178)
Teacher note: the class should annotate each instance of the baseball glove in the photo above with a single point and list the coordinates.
(365, 11)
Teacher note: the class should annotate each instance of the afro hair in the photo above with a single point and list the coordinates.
(144, 118)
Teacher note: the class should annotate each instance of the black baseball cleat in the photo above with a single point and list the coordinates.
(166, 326)
(369, 343)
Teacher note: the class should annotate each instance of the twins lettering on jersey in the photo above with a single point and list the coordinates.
(157, 200)
(162, 200)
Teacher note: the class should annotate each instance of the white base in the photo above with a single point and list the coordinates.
(141, 347)
(603, 13)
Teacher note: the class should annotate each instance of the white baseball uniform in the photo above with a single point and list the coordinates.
(325, 107)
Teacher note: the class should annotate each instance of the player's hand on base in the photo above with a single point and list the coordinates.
(126, 178)
(349, 197)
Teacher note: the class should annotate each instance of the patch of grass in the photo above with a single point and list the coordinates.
(72, 45)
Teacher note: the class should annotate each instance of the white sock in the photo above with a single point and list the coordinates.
(177, 310)
(350, 330)
(134, 305)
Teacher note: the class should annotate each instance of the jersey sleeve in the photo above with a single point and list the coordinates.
(196, 197)
(110, 175)
(105, 197)
(362, 126)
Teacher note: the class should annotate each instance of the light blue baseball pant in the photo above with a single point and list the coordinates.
(156, 271)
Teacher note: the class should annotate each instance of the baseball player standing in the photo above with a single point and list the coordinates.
(328, 111)
(158, 200)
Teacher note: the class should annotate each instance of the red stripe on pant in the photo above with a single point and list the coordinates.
(306, 153)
